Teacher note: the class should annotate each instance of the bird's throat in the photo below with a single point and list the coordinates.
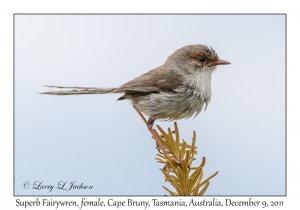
(200, 83)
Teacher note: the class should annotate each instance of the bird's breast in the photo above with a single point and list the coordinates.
(184, 102)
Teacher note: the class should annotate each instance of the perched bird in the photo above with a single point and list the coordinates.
(178, 89)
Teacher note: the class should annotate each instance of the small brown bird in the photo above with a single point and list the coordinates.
(177, 89)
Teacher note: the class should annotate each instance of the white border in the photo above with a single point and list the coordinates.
(8, 8)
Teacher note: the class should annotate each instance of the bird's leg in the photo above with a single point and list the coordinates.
(149, 124)
(141, 115)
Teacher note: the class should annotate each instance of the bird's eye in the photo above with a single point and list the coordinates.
(202, 59)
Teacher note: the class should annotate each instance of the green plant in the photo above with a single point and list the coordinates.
(178, 157)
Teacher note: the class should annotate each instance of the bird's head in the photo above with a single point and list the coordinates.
(196, 57)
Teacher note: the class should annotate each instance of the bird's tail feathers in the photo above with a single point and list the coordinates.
(78, 90)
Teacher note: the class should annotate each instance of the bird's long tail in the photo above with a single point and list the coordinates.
(78, 90)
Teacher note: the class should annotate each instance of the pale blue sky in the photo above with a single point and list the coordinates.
(102, 142)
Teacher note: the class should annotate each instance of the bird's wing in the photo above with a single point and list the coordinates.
(156, 80)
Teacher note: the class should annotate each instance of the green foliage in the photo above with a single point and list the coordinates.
(178, 158)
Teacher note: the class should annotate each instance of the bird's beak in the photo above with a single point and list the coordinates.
(220, 62)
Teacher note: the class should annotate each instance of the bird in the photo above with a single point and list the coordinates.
(178, 89)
